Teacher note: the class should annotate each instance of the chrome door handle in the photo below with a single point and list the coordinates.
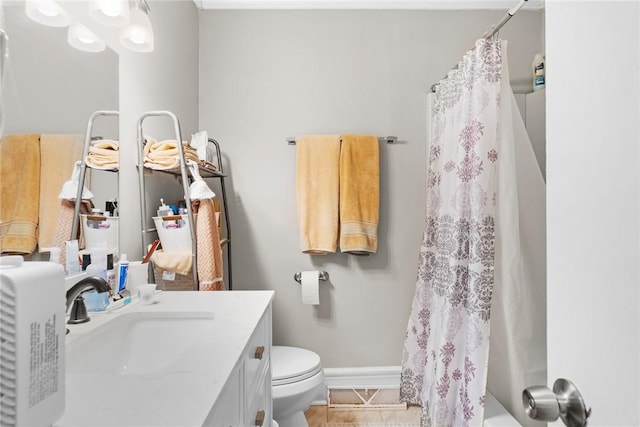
(564, 402)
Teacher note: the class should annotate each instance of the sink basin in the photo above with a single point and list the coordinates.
(138, 343)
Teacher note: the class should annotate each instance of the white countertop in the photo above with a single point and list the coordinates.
(185, 395)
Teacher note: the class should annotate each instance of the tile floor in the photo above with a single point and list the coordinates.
(319, 415)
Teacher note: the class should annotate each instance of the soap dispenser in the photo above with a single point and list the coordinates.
(164, 210)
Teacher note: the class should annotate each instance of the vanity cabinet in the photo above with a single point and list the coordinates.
(211, 366)
(246, 398)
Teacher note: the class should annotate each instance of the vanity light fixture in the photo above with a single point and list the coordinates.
(47, 12)
(114, 13)
(82, 38)
(138, 34)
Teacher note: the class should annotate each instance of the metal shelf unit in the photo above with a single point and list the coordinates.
(182, 171)
(83, 169)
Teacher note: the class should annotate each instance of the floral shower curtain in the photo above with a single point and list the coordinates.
(444, 366)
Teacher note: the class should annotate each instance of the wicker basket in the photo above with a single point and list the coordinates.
(179, 282)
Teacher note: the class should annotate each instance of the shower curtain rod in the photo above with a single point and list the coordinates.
(494, 29)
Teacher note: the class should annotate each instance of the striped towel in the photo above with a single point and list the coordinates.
(19, 193)
(359, 194)
(317, 186)
(209, 251)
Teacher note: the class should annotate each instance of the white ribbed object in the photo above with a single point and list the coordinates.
(32, 338)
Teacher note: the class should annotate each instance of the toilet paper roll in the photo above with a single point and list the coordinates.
(310, 288)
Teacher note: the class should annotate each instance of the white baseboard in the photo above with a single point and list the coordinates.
(365, 377)
(389, 377)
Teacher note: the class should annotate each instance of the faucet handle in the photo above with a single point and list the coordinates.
(78, 311)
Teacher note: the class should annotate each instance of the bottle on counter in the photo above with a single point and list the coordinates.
(123, 270)
(538, 72)
(111, 273)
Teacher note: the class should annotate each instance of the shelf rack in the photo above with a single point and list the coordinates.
(83, 168)
(182, 171)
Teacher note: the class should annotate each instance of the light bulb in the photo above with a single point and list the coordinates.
(82, 38)
(48, 9)
(114, 13)
(138, 35)
(110, 8)
(46, 12)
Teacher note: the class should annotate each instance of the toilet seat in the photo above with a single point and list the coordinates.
(291, 364)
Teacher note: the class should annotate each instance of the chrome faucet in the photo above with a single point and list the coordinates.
(79, 310)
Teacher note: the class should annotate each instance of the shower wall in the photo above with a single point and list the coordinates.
(269, 75)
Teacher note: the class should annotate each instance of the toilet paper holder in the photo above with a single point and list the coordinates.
(323, 275)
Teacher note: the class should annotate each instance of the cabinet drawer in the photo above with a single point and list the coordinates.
(227, 411)
(258, 412)
(257, 355)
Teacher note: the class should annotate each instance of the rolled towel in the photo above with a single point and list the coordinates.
(165, 155)
(359, 194)
(105, 147)
(104, 154)
(317, 185)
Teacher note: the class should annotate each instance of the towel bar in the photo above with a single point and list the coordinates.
(322, 276)
(387, 139)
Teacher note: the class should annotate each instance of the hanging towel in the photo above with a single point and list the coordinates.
(64, 223)
(64, 219)
(104, 154)
(359, 194)
(179, 262)
(19, 193)
(208, 247)
(209, 250)
(58, 154)
(317, 186)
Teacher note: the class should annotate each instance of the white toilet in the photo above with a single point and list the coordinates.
(297, 378)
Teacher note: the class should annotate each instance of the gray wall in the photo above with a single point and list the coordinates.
(51, 87)
(268, 75)
(165, 79)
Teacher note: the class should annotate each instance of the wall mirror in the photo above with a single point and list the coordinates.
(50, 87)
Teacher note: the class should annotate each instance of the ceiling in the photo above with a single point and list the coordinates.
(365, 4)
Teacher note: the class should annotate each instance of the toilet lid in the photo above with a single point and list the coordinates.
(292, 364)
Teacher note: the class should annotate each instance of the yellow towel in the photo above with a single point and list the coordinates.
(19, 193)
(209, 251)
(317, 185)
(164, 154)
(359, 194)
(104, 154)
(58, 154)
(179, 262)
(105, 146)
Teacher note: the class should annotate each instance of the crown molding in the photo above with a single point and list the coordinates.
(365, 4)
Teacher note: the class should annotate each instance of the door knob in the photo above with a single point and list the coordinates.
(564, 402)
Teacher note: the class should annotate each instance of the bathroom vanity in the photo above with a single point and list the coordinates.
(189, 359)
